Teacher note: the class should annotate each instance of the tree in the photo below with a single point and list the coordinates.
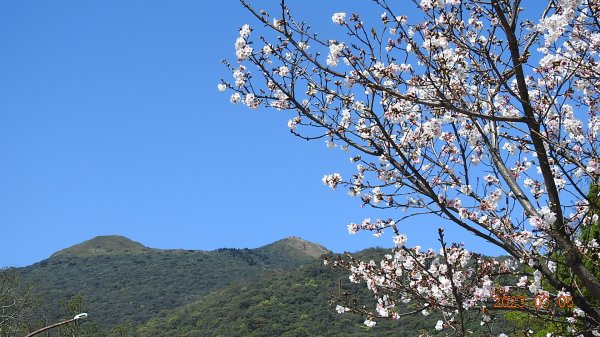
(73, 306)
(478, 112)
(589, 231)
(16, 304)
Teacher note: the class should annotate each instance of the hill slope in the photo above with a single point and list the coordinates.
(293, 304)
(286, 303)
(292, 252)
(123, 280)
(102, 245)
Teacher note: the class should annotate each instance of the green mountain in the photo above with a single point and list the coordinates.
(102, 245)
(286, 303)
(292, 252)
(298, 303)
(121, 280)
(281, 289)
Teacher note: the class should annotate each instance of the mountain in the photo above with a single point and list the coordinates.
(102, 245)
(298, 303)
(286, 303)
(280, 289)
(122, 280)
(292, 252)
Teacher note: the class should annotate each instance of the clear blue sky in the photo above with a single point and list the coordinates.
(110, 123)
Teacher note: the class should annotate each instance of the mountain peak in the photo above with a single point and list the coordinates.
(102, 245)
(297, 246)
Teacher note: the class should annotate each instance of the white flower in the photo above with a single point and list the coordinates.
(510, 147)
(338, 18)
(548, 216)
(534, 287)
(251, 101)
(242, 49)
(283, 70)
(439, 326)
(578, 312)
(491, 179)
(267, 50)
(292, 123)
(377, 195)
(332, 180)
(383, 312)
(400, 240)
(235, 98)
(466, 189)
(352, 228)
(239, 75)
(593, 167)
(221, 87)
(243, 52)
(502, 335)
(303, 45)
(552, 266)
(335, 49)
(370, 323)
(245, 30)
(340, 309)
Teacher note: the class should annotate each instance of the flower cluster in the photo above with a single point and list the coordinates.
(242, 49)
(339, 18)
(332, 180)
(430, 281)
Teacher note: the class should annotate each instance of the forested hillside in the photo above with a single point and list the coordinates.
(289, 303)
(281, 289)
(121, 280)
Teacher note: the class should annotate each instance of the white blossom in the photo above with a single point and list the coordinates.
(439, 325)
(340, 309)
(338, 18)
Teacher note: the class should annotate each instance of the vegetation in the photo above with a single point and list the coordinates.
(17, 304)
(126, 285)
(74, 306)
(287, 303)
(266, 297)
(103, 245)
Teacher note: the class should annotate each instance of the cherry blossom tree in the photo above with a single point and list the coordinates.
(483, 113)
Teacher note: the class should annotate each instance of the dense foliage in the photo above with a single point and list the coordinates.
(289, 303)
(295, 299)
(118, 287)
(17, 304)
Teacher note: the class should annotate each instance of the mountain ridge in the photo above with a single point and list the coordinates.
(118, 244)
(122, 279)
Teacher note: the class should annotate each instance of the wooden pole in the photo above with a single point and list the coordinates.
(50, 327)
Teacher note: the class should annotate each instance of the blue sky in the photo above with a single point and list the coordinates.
(110, 123)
